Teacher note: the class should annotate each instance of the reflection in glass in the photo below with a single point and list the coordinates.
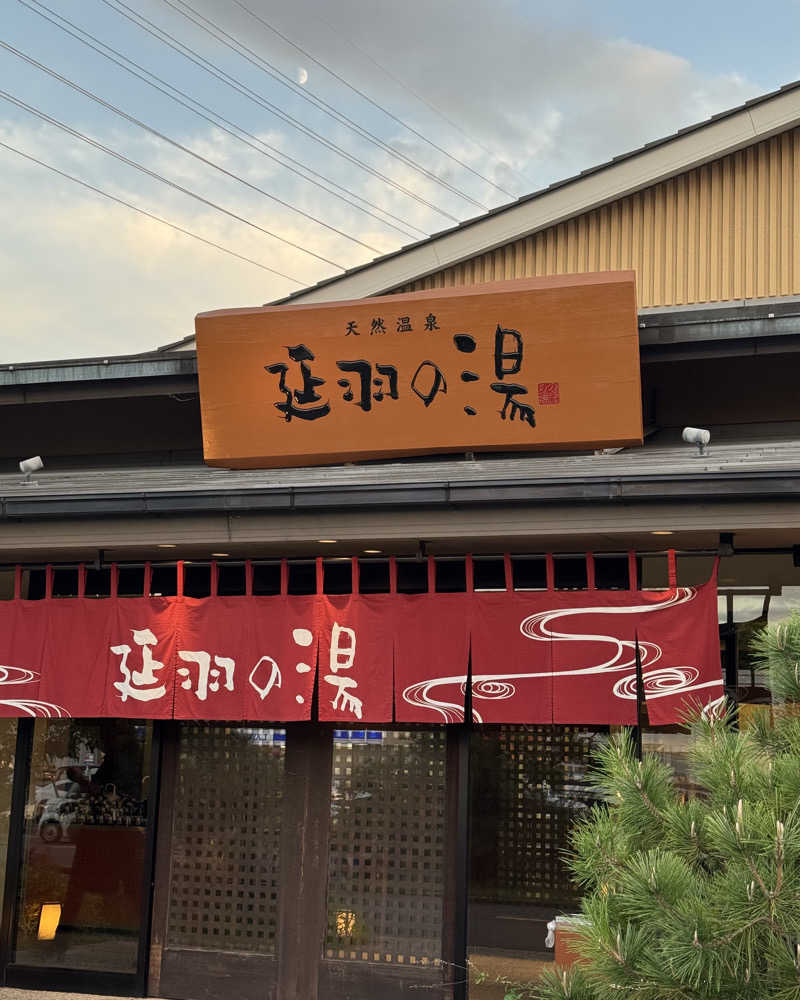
(671, 744)
(8, 743)
(528, 785)
(755, 589)
(781, 607)
(386, 854)
(84, 844)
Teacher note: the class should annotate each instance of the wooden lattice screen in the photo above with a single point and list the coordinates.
(387, 847)
(226, 839)
(529, 785)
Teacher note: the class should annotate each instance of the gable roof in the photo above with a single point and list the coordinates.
(691, 147)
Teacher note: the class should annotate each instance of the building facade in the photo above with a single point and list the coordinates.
(300, 860)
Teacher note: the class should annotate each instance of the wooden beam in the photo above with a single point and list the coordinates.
(304, 860)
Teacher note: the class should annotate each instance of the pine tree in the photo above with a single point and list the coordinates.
(699, 897)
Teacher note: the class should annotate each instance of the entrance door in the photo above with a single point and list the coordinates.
(302, 863)
(388, 866)
(215, 929)
(82, 892)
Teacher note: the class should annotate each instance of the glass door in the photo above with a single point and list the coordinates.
(82, 893)
(528, 786)
(387, 865)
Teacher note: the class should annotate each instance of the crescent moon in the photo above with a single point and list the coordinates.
(302, 75)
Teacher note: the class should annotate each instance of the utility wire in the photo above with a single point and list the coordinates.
(247, 92)
(149, 215)
(401, 83)
(159, 177)
(215, 118)
(177, 145)
(235, 45)
(370, 100)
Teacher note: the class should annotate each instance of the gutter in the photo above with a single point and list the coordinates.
(761, 486)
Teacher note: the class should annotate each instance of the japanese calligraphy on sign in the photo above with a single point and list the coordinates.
(517, 365)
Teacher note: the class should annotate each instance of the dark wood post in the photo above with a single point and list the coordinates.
(162, 862)
(454, 911)
(304, 860)
(15, 857)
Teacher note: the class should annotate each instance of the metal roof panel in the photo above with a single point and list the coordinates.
(752, 452)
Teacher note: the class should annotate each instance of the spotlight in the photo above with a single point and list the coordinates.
(697, 436)
(30, 465)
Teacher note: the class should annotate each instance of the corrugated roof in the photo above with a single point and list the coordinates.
(734, 452)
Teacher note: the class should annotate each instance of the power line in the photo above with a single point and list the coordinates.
(402, 83)
(149, 215)
(161, 34)
(159, 177)
(247, 92)
(370, 100)
(215, 118)
(310, 97)
(177, 145)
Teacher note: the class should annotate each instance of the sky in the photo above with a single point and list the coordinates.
(306, 137)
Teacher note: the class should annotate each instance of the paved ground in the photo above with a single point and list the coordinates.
(9, 994)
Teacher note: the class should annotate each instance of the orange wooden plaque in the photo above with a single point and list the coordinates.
(539, 363)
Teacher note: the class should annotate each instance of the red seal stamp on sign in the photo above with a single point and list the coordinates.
(549, 394)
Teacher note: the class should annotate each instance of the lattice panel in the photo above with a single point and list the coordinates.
(529, 785)
(226, 839)
(387, 845)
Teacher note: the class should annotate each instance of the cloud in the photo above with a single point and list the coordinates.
(507, 72)
(80, 276)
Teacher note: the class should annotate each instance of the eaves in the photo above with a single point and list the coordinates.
(758, 486)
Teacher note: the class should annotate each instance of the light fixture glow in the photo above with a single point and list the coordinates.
(661, 532)
(327, 541)
(372, 552)
(220, 555)
(166, 545)
(49, 919)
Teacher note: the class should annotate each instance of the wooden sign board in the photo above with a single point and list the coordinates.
(539, 363)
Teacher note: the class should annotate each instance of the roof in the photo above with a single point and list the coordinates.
(746, 326)
(111, 367)
(724, 133)
(746, 461)
(717, 136)
(162, 371)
